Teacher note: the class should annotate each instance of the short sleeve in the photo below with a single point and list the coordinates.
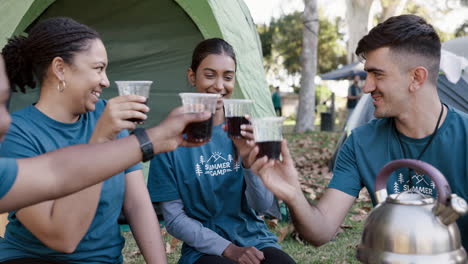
(346, 177)
(18, 145)
(162, 185)
(8, 172)
(138, 166)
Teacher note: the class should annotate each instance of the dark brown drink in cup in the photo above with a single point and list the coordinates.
(199, 132)
(235, 111)
(234, 125)
(138, 120)
(268, 133)
(271, 149)
(141, 88)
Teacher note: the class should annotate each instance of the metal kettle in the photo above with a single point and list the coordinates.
(410, 227)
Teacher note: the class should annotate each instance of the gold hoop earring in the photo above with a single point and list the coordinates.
(64, 85)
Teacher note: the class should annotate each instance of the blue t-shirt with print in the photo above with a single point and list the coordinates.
(33, 133)
(211, 185)
(8, 171)
(373, 145)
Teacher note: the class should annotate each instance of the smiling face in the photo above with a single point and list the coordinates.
(215, 74)
(387, 82)
(5, 118)
(86, 77)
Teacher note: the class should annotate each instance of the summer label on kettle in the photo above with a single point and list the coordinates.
(410, 227)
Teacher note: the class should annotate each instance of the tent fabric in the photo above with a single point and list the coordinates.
(457, 46)
(16, 15)
(154, 40)
(237, 28)
(454, 66)
(235, 15)
(455, 95)
(202, 15)
(346, 72)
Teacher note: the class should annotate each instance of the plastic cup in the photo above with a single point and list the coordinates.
(199, 102)
(268, 134)
(141, 88)
(235, 111)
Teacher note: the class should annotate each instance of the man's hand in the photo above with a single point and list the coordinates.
(167, 136)
(116, 117)
(280, 177)
(243, 255)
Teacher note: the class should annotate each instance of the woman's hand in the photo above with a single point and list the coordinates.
(245, 145)
(243, 255)
(116, 117)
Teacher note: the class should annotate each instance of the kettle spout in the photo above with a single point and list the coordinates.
(448, 214)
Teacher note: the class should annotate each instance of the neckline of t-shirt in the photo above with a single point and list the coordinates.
(219, 128)
(50, 121)
(449, 116)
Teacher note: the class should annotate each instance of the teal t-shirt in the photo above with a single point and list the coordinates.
(373, 145)
(211, 185)
(8, 171)
(32, 133)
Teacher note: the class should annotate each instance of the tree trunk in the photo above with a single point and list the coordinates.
(357, 17)
(306, 112)
(391, 8)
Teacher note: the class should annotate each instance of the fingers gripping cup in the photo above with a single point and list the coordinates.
(199, 102)
(268, 133)
(141, 88)
(235, 111)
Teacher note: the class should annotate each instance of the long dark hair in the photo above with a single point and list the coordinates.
(29, 57)
(211, 46)
(405, 35)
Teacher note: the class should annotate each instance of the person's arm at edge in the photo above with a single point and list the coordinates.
(316, 223)
(191, 231)
(319, 223)
(203, 239)
(142, 219)
(258, 196)
(84, 165)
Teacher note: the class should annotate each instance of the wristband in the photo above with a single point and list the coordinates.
(146, 145)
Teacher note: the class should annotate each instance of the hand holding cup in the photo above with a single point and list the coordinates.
(141, 88)
(199, 132)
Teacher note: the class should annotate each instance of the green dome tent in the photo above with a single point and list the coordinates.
(153, 40)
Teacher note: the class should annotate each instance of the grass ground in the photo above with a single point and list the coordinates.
(311, 153)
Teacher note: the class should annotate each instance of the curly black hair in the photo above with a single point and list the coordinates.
(29, 57)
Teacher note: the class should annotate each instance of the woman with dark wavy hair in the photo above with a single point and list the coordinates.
(69, 61)
(209, 199)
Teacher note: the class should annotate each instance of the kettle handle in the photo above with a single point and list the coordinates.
(442, 186)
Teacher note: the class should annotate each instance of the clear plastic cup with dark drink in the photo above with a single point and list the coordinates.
(195, 103)
(141, 88)
(268, 134)
(235, 111)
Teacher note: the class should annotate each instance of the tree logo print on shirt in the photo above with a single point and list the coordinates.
(198, 170)
(216, 156)
(401, 178)
(419, 183)
(237, 165)
(216, 165)
(419, 178)
(396, 188)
